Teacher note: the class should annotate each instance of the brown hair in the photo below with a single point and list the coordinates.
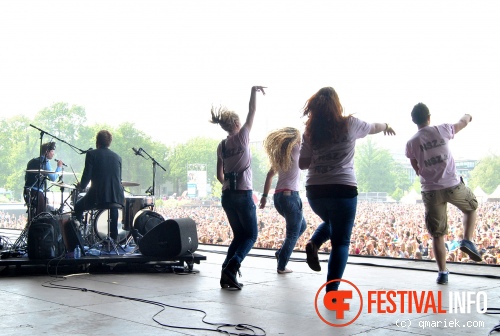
(103, 139)
(326, 121)
(47, 147)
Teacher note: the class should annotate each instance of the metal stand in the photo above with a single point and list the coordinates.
(110, 241)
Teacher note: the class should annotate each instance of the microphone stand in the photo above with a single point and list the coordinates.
(155, 163)
(21, 243)
(61, 140)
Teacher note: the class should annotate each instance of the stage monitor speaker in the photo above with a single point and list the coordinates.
(72, 236)
(170, 239)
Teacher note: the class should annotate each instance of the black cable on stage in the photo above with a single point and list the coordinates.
(224, 328)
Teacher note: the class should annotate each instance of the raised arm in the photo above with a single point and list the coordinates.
(381, 127)
(252, 106)
(464, 121)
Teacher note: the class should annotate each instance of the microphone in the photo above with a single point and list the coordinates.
(137, 151)
(56, 160)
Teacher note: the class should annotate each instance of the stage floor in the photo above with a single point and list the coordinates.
(171, 300)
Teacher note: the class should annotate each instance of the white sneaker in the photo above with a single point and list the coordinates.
(286, 270)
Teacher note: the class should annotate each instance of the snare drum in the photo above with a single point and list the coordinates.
(132, 205)
(77, 195)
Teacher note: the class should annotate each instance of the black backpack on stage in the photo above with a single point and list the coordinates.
(45, 240)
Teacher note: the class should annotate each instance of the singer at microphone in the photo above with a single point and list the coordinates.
(56, 160)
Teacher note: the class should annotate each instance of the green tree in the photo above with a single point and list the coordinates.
(15, 155)
(61, 121)
(140, 169)
(485, 174)
(377, 171)
(260, 167)
(197, 150)
(216, 188)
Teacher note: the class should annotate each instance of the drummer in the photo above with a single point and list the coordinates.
(103, 168)
(35, 184)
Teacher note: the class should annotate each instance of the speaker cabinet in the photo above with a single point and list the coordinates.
(170, 239)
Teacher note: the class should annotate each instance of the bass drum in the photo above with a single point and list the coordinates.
(144, 221)
(101, 226)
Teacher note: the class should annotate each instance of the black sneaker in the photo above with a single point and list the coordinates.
(312, 256)
(468, 247)
(442, 278)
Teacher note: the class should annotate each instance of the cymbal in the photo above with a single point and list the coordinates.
(47, 172)
(130, 184)
(41, 171)
(63, 185)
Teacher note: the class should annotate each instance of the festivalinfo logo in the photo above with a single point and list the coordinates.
(343, 307)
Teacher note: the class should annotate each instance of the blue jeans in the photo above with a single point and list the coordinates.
(241, 213)
(338, 216)
(289, 205)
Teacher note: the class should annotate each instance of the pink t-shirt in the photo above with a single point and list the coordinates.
(335, 164)
(238, 158)
(429, 146)
(291, 178)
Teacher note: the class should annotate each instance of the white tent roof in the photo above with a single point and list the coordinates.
(479, 192)
(496, 193)
(411, 197)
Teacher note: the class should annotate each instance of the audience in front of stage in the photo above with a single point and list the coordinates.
(385, 225)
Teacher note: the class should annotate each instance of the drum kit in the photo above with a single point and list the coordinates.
(95, 223)
(94, 228)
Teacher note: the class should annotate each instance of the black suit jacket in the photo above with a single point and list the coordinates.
(103, 168)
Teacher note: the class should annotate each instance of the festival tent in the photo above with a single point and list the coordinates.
(495, 196)
(411, 198)
(480, 194)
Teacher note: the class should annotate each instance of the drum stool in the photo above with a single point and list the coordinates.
(110, 241)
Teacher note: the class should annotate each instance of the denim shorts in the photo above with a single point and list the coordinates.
(436, 211)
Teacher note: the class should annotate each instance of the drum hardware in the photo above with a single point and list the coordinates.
(134, 205)
(110, 241)
(100, 225)
(63, 185)
(130, 184)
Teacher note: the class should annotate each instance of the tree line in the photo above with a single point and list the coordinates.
(376, 169)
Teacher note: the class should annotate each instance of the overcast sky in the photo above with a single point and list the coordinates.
(163, 64)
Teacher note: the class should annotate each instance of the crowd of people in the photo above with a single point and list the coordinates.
(393, 230)
(11, 221)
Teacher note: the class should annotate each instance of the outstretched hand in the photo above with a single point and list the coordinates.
(389, 131)
(263, 202)
(260, 89)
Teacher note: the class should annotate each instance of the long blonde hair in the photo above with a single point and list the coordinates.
(279, 144)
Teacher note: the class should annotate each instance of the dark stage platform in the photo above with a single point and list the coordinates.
(128, 259)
